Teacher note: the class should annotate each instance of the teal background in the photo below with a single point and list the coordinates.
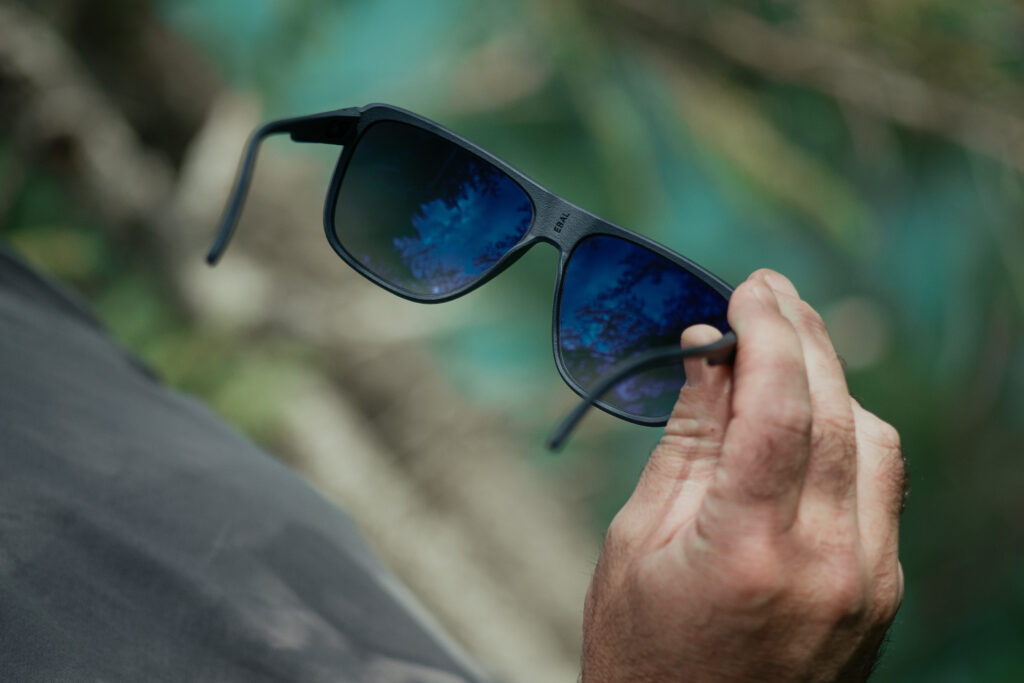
(910, 242)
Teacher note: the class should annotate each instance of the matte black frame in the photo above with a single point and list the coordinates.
(555, 221)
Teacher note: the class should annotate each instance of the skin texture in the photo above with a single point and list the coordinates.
(761, 542)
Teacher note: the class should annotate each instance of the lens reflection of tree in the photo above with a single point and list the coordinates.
(475, 217)
(647, 303)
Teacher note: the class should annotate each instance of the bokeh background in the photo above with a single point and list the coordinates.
(871, 151)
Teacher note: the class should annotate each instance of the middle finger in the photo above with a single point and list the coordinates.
(832, 462)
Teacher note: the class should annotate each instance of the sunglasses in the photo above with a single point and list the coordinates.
(429, 216)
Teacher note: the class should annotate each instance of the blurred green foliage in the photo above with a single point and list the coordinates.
(61, 236)
(909, 238)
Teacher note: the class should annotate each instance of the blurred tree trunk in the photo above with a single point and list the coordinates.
(136, 120)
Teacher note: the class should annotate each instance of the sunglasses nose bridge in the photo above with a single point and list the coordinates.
(562, 224)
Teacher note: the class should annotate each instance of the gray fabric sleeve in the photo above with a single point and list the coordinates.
(143, 540)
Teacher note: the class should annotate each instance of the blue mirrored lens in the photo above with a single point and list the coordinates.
(620, 299)
(423, 213)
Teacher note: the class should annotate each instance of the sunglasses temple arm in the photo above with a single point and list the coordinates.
(333, 128)
(718, 353)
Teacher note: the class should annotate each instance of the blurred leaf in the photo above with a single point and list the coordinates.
(68, 253)
(729, 123)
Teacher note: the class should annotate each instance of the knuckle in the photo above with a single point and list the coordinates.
(789, 416)
(756, 574)
(888, 593)
(888, 438)
(887, 604)
(848, 593)
(678, 458)
(621, 535)
(689, 436)
(681, 424)
(885, 451)
(878, 432)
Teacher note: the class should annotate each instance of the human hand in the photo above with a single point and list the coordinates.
(761, 542)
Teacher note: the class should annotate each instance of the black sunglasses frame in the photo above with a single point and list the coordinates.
(555, 221)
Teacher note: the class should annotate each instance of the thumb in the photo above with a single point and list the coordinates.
(699, 416)
(693, 436)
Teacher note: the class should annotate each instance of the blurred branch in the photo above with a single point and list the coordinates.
(844, 74)
(59, 110)
(722, 114)
(155, 78)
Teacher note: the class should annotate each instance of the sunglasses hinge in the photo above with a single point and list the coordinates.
(330, 129)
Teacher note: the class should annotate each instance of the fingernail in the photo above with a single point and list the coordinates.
(765, 295)
(780, 283)
(697, 335)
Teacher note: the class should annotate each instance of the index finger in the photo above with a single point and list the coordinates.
(767, 441)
